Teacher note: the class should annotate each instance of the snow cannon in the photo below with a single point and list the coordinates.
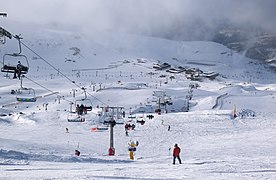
(132, 148)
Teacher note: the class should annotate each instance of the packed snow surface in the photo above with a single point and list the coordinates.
(116, 70)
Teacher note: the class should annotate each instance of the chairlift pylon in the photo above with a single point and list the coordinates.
(2, 38)
(3, 34)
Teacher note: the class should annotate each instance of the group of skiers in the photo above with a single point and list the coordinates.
(176, 149)
(132, 145)
(80, 109)
(129, 126)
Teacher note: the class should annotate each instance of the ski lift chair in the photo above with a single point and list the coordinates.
(86, 103)
(10, 65)
(26, 95)
(10, 62)
(74, 117)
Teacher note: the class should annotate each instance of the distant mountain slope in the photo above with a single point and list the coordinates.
(256, 45)
(71, 50)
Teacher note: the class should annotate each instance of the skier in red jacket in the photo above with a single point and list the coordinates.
(176, 152)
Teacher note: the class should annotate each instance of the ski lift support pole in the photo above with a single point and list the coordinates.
(19, 42)
(85, 96)
(112, 123)
(111, 150)
(21, 81)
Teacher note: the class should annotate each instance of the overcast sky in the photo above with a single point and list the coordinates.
(138, 14)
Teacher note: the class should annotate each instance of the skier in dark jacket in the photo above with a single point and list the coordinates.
(81, 109)
(19, 68)
(176, 154)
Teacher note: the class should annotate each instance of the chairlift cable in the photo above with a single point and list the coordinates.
(15, 36)
(49, 64)
(38, 84)
(45, 87)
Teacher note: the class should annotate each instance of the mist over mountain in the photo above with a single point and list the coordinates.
(152, 17)
(240, 25)
(254, 40)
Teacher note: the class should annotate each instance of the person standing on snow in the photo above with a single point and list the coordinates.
(176, 153)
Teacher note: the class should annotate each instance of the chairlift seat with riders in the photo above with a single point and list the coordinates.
(10, 62)
(87, 104)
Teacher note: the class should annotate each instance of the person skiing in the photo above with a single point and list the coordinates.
(176, 153)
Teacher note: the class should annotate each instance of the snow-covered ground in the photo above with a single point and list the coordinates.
(117, 70)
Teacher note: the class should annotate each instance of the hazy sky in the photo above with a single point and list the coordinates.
(142, 15)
